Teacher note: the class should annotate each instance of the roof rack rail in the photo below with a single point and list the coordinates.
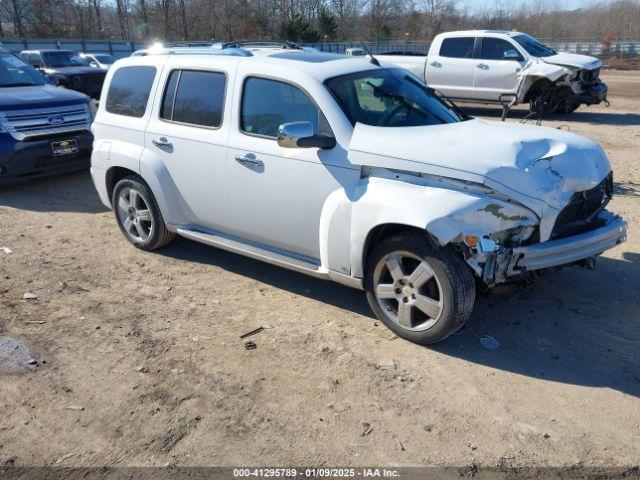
(161, 50)
(193, 44)
(257, 43)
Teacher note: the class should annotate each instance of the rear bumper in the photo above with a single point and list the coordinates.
(571, 249)
(28, 160)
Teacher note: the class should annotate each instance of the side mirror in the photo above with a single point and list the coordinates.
(301, 135)
(93, 64)
(512, 55)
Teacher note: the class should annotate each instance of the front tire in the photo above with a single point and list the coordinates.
(138, 214)
(420, 292)
(567, 109)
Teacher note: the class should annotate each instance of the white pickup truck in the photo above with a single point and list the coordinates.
(488, 66)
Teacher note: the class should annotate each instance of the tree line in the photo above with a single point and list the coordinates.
(308, 20)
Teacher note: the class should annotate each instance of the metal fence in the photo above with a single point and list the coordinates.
(618, 48)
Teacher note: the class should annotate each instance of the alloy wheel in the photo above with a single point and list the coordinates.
(134, 214)
(408, 290)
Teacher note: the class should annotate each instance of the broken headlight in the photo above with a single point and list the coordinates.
(511, 238)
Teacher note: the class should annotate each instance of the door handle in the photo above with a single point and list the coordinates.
(436, 64)
(249, 161)
(483, 66)
(162, 142)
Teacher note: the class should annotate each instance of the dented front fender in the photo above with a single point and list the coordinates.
(446, 214)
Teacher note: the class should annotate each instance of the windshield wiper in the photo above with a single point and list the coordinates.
(396, 97)
(404, 101)
(461, 113)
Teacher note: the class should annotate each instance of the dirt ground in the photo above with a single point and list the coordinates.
(128, 358)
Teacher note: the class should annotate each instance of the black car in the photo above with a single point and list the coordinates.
(66, 68)
(44, 129)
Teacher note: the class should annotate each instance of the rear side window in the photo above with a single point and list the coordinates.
(457, 47)
(129, 91)
(267, 104)
(194, 97)
(494, 48)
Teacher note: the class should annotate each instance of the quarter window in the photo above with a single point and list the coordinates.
(457, 47)
(129, 91)
(194, 97)
(494, 48)
(267, 104)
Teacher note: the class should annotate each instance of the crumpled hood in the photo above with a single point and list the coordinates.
(537, 166)
(39, 96)
(573, 60)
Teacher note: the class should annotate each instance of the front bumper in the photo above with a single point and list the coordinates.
(21, 161)
(568, 250)
(593, 94)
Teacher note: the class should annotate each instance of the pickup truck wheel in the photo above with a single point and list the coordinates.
(138, 214)
(565, 109)
(422, 293)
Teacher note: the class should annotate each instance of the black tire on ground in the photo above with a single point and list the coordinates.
(159, 235)
(456, 284)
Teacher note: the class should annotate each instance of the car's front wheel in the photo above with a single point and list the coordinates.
(421, 292)
(138, 214)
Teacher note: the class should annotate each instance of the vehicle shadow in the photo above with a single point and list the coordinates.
(321, 290)
(629, 189)
(71, 192)
(584, 116)
(572, 326)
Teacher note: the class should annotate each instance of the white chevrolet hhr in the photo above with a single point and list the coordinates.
(338, 168)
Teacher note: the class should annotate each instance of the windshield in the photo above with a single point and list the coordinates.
(533, 46)
(105, 59)
(15, 73)
(63, 59)
(390, 98)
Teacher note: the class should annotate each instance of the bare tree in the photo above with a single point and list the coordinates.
(309, 20)
(97, 9)
(123, 19)
(183, 16)
(17, 10)
(436, 11)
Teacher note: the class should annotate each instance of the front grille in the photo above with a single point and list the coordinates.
(45, 122)
(581, 214)
(590, 76)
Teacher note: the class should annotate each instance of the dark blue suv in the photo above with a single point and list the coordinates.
(44, 129)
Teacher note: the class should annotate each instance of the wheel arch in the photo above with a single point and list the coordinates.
(387, 230)
(536, 84)
(114, 175)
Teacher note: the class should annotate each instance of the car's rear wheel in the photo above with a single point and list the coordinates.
(421, 292)
(138, 214)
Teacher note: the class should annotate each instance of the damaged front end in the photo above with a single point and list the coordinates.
(510, 199)
(556, 88)
(582, 231)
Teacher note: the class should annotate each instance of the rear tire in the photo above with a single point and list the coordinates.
(138, 214)
(420, 292)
